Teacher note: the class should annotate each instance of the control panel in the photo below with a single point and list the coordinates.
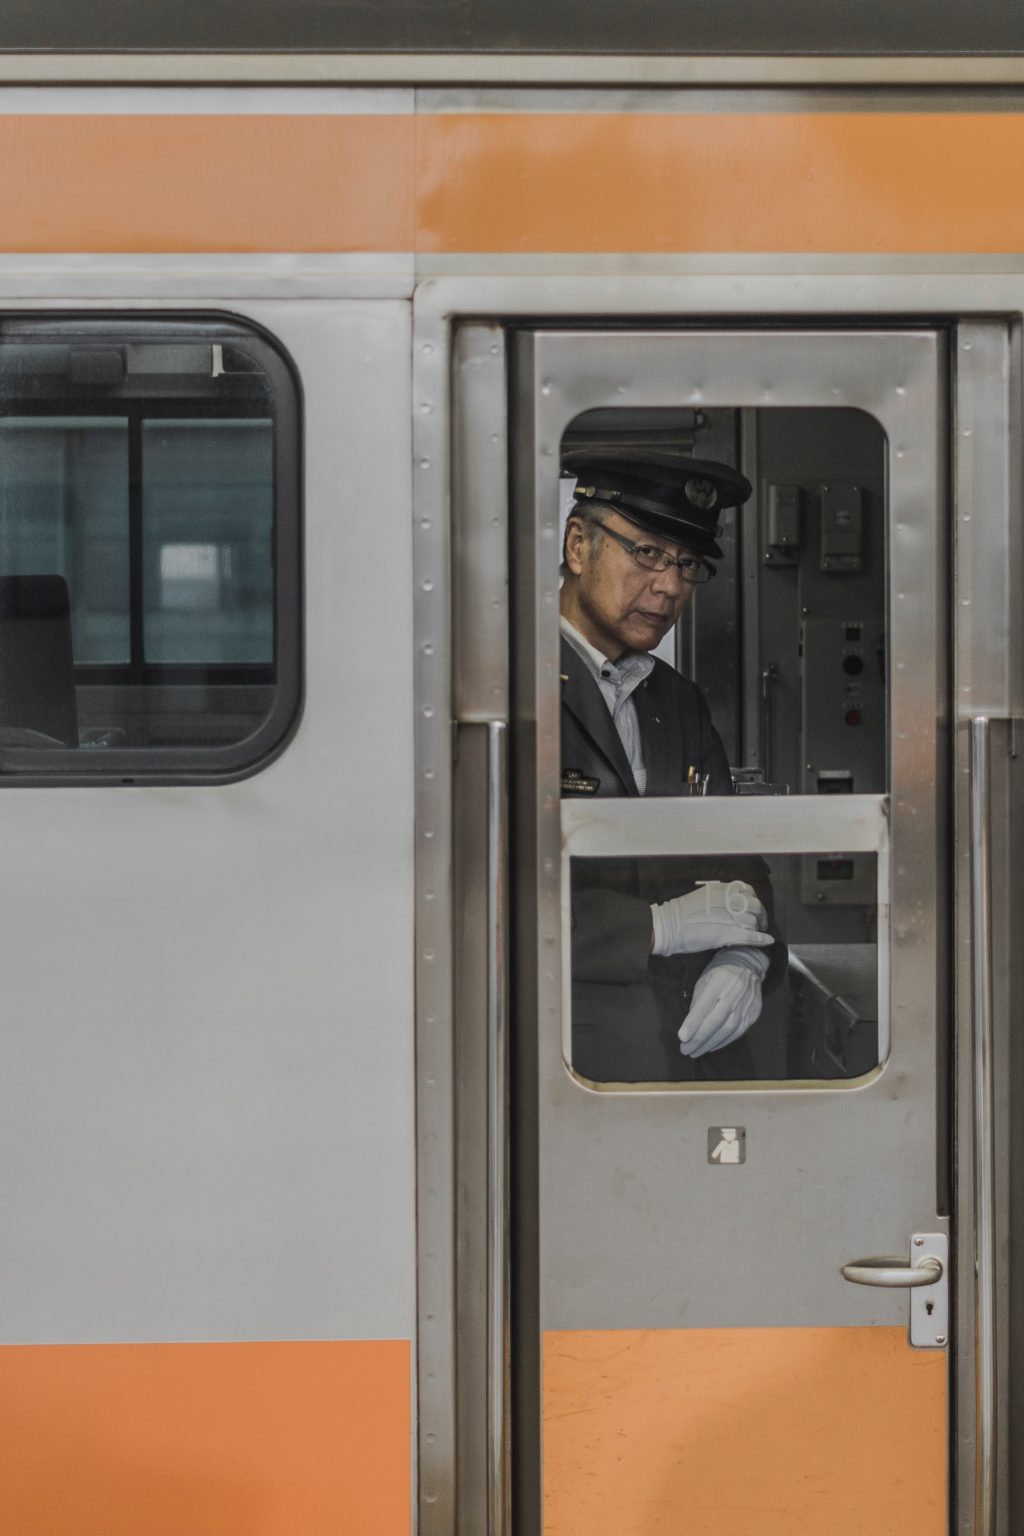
(842, 736)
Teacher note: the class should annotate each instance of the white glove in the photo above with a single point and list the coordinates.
(713, 915)
(726, 1001)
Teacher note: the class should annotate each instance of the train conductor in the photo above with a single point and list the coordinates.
(667, 973)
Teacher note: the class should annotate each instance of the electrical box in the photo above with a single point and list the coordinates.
(784, 524)
(842, 527)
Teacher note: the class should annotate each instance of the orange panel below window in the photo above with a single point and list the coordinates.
(743, 1432)
(271, 1439)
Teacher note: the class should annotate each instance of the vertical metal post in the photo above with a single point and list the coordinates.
(986, 1381)
(497, 1131)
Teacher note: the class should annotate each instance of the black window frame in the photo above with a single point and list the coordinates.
(232, 761)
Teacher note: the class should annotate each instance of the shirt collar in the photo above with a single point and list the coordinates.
(633, 664)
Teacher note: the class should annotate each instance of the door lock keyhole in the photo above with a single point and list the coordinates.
(929, 1307)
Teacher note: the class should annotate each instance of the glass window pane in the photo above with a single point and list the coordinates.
(723, 632)
(64, 510)
(694, 992)
(787, 642)
(149, 547)
(208, 510)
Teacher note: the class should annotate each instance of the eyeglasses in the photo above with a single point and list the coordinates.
(653, 558)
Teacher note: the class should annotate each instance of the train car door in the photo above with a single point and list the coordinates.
(730, 1306)
(732, 1332)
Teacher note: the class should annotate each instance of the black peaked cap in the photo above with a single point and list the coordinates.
(665, 493)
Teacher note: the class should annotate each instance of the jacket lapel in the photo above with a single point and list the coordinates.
(582, 697)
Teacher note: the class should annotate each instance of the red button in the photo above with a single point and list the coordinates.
(853, 717)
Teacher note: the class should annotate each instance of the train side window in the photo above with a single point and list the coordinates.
(149, 549)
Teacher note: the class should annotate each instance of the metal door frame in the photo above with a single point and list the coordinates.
(804, 290)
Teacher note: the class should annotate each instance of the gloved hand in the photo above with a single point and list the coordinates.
(726, 1001)
(713, 915)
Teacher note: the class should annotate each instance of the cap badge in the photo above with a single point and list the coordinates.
(701, 493)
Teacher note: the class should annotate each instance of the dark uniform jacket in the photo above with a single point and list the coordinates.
(627, 1005)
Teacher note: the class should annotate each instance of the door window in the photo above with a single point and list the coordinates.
(762, 673)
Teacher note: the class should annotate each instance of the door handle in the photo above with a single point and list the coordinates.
(924, 1276)
(893, 1273)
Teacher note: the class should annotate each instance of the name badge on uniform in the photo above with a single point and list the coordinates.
(576, 783)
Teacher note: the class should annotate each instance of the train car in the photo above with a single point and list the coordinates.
(316, 1215)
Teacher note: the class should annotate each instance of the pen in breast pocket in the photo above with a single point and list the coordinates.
(692, 781)
(705, 780)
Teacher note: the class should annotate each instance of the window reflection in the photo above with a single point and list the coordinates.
(764, 675)
(64, 511)
(819, 1005)
(208, 518)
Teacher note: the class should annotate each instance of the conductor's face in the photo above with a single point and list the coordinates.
(614, 602)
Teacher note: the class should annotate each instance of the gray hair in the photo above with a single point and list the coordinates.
(585, 513)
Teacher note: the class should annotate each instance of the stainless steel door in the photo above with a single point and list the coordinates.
(659, 1272)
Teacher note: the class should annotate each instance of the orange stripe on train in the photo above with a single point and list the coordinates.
(233, 183)
(743, 1432)
(514, 182)
(813, 182)
(272, 1439)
